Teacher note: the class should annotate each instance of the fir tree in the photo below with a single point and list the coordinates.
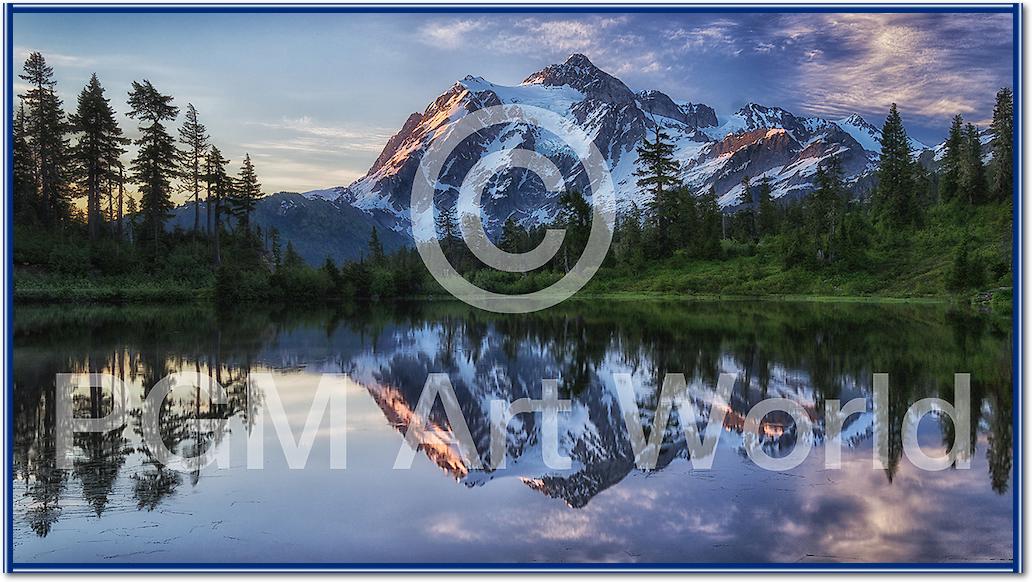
(246, 193)
(630, 242)
(824, 210)
(745, 217)
(1003, 146)
(194, 136)
(219, 185)
(766, 215)
(376, 254)
(98, 150)
(154, 167)
(658, 173)
(973, 184)
(48, 144)
(575, 217)
(710, 224)
(894, 198)
(447, 224)
(277, 254)
(291, 258)
(512, 236)
(23, 175)
(952, 161)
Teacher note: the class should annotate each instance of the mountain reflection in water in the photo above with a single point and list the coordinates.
(807, 352)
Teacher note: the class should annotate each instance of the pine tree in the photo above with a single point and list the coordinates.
(686, 219)
(710, 224)
(48, 144)
(745, 217)
(952, 161)
(291, 258)
(575, 217)
(194, 136)
(376, 254)
(973, 184)
(98, 150)
(1003, 146)
(246, 193)
(630, 241)
(447, 224)
(824, 209)
(219, 185)
(22, 171)
(766, 216)
(277, 254)
(658, 172)
(154, 167)
(512, 236)
(895, 200)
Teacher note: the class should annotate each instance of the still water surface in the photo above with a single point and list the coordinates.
(118, 505)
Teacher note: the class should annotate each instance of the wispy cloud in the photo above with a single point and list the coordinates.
(450, 34)
(931, 67)
(306, 134)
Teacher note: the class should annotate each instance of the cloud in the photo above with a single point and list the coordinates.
(304, 134)
(451, 34)
(931, 65)
(54, 59)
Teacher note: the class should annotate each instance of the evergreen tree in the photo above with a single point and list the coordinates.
(575, 217)
(894, 199)
(745, 217)
(154, 167)
(277, 255)
(658, 173)
(246, 193)
(333, 273)
(24, 178)
(952, 161)
(48, 145)
(194, 136)
(1003, 146)
(710, 225)
(376, 254)
(629, 240)
(512, 236)
(766, 215)
(973, 184)
(686, 219)
(219, 185)
(447, 224)
(98, 150)
(824, 209)
(291, 258)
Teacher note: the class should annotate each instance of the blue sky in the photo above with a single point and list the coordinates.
(313, 97)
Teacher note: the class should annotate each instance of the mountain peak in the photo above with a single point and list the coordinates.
(855, 120)
(581, 74)
(579, 60)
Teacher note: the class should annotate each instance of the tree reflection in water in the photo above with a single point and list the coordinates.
(810, 352)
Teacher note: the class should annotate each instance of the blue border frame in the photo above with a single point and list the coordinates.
(1016, 269)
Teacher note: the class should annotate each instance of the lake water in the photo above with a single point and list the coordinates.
(116, 504)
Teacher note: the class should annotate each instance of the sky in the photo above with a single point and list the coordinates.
(314, 97)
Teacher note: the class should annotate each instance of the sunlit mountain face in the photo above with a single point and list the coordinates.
(444, 509)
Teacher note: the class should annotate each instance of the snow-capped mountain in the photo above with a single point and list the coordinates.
(714, 150)
(756, 141)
